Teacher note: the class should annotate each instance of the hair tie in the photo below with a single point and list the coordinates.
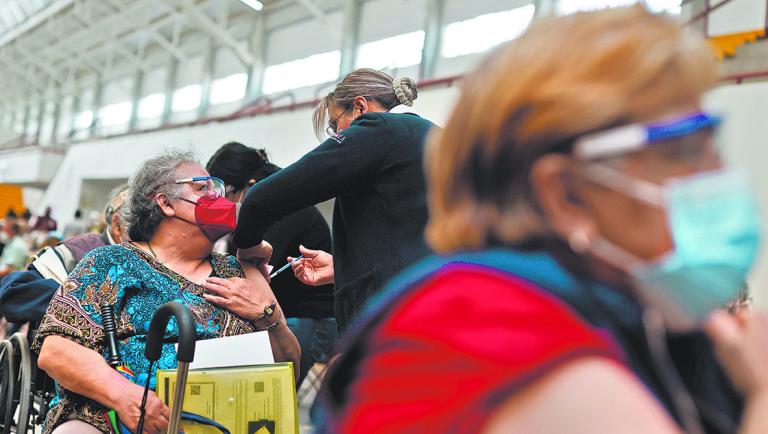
(397, 86)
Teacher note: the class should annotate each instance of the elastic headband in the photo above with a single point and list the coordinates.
(635, 137)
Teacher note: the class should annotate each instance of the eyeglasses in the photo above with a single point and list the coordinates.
(333, 124)
(207, 185)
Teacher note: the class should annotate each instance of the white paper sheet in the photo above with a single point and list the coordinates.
(241, 350)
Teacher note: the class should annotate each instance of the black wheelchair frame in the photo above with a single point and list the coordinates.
(25, 390)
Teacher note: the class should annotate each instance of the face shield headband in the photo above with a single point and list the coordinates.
(635, 137)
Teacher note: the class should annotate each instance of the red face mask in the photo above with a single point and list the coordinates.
(215, 217)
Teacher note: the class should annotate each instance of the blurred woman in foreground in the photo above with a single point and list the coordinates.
(590, 231)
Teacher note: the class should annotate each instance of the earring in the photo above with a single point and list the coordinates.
(579, 242)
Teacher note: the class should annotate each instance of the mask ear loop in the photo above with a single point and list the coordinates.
(640, 189)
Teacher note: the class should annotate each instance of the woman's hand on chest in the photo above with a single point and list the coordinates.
(245, 298)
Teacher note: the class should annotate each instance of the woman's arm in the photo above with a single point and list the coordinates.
(85, 372)
(334, 166)
(584, 396)
(247, 298)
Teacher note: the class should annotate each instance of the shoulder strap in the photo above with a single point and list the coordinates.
(68, 258)
(51, 263)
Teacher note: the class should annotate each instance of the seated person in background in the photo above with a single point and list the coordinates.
(308, 310)
(16, 251)
(45, 223)
(174, 214)
(589, 234)
(24, 295)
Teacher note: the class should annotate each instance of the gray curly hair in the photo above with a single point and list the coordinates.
(140, 212)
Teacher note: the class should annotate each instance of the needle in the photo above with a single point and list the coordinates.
(284, 267)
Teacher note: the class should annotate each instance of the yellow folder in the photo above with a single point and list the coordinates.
(258, 399)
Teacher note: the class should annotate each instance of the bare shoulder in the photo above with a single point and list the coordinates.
(588, 395)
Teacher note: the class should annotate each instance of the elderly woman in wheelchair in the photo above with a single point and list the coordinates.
(174, 212)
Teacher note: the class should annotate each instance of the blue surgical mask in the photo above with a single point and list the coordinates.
(714, 224)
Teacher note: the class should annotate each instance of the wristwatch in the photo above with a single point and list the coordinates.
(268, 311)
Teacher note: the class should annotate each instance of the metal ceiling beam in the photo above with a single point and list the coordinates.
(349, 42)
(35, 20)
(315, 10)
(432, 38)
(167, 46)
(258, 46)
(128, 34)
(103, 26)
(112, 43)
(119, 7)
(24, 75)
(53, 74)
(74, 57)
(217, 32)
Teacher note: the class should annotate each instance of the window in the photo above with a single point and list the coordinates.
(657, 6)
(187, 98)
(395, 52)
(571, 6)
(115, 114)
(671, 7)
(228, 89)
(151, 106)
(83, 120)
(485, 31)
(316, 69)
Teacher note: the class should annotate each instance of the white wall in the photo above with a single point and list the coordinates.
(744, 140)
(28, 165)
(736, 16)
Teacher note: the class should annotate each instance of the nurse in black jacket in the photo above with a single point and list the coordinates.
(372, 165)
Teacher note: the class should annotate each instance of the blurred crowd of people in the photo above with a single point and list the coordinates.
(21, 235)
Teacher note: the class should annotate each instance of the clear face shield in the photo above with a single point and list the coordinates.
(711, 216)
(210, 186)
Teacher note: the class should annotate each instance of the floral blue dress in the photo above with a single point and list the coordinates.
(136, 284)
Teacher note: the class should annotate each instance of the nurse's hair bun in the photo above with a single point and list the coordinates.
(405, 90)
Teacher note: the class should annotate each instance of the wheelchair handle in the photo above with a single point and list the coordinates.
(187, 335)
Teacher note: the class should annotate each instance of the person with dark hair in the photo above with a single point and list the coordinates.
(240, 167)
(308, 310)
(372, 164)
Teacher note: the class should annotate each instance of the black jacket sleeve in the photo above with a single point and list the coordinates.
(335, 165)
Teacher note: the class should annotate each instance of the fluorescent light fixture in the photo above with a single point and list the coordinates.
(253, 4)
